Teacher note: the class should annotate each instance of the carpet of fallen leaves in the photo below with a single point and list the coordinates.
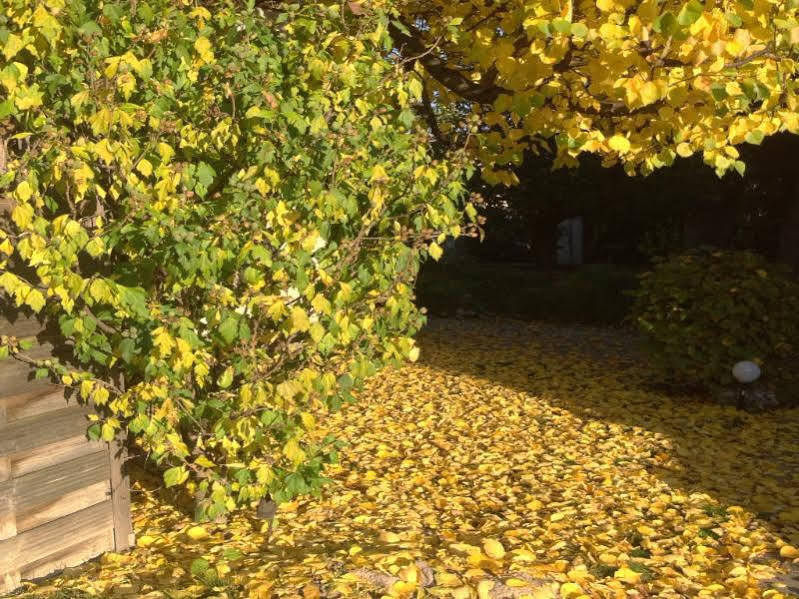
(513, 460)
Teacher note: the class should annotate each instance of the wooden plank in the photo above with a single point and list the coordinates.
(63, 506)
(23, 551)
(5, 461)
(18, 325)
(29, 433)
(69, 557)
(8, 519)
(120, 496)
(53, 453)
(26, 405)
(32, 492)
(9, 581)
(16, 376)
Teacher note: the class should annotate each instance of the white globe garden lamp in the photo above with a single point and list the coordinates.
(746, 371)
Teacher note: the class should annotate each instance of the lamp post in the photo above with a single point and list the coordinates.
(745, 372)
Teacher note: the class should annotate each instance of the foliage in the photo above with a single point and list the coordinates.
(641, 83)
(591, 294)
(708, 309)
(511, 455)
(223, 209)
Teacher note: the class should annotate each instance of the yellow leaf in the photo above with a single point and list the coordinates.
(649, 92)
(299, 320)
(570, 590)
(203, 47)
(493, 549)
(107, 432)
(484, 588)
(608, 558)
(22, 215)
(165, 151)
(145, 167)
(35, 300)
(378, 174)
(413, 355)
(684, 150)
(627, 575)
(435, 251)
(647, 531)
(389, 537)
(739, 571)
(293, 452)
(127, 83)
(13, 45)
(204, 462)
(321, 304)
(145, 540)
(163, 340)
(619, 143)
(197, 533)
(23, 192)
(100, 396)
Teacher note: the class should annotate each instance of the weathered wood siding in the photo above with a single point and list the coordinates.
(63, 499)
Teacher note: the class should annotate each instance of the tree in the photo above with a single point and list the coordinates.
(223, 210)
(640, 83)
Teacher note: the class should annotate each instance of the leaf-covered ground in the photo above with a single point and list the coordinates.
(514, 460)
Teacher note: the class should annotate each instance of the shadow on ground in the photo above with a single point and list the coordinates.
(740, 459)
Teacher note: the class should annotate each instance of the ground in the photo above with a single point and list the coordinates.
(513, 460)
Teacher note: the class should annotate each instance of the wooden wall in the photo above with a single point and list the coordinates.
(63, 499)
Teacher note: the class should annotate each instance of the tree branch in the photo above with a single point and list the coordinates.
(484, 92)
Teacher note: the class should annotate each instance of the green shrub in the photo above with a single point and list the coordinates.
(224, 210)
(707, 309)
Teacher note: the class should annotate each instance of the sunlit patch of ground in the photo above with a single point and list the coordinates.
(514, 460)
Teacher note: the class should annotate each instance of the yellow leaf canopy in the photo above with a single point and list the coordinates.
(637, 82)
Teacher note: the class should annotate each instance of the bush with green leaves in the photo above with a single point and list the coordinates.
(707, 309)
(224, 209)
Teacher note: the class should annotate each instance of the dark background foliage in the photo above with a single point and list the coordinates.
(627, 222)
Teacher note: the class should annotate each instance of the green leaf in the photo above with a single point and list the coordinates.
(231, 554)
(228, 330)
(226, 379)
(561, 25)
(733, 19)
(174, 476)
(690, 13)
(199, 566)
(755, 137)
(665, 24)
(415, 87)
(579, 30)
(133, 299)
(205, 174)
(718, 92)
(6, 108)
(94, 431)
